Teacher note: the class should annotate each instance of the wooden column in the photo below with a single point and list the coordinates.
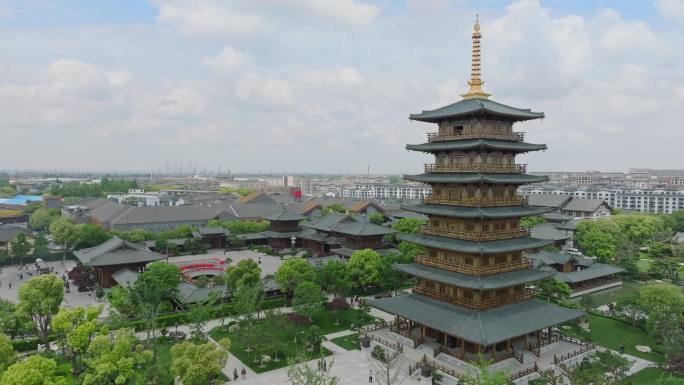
(445, 339)
(423, 330)
(508, 345)
(525, 342)
(493, 352)
(462, 348)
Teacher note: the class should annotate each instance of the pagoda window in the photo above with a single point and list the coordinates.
(458, 130)
(471, 193)
(468, 261)
(468, 294)
(500, 259)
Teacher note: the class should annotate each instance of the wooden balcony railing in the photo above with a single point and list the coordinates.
(472, 269)
(476, 236)
(515, 200)
(475, 304)
(477, 167)
(477, 134)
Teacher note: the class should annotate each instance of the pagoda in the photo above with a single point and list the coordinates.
(474, 295)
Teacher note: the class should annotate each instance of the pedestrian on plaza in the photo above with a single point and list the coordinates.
(235, 374)
(370, 376)
(622, 347)
(244, 373)
(10, 285)
(325, 365)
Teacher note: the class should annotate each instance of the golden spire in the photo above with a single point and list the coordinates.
(475, 83)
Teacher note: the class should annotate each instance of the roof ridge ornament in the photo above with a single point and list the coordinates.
(475, 82)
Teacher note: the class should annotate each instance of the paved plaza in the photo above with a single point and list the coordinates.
(269, 264)
(10, 281)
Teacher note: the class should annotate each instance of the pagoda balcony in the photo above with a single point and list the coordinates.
(477, 167)
(474, 269)
(475, 235)
(482, 304)
(516, 200)
(476, 134)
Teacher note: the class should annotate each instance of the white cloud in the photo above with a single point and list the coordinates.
(181, 101)
(229, 59)
(118, 78)
(671, 9)
(349, 11)
(262, 90)
(208, 17)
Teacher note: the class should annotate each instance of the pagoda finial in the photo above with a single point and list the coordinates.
(475, 82)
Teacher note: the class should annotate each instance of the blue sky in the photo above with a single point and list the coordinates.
(327, 85)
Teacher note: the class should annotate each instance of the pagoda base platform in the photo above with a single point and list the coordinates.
(562, 349)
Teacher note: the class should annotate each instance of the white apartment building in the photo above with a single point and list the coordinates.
(398, 191)
(648, 200)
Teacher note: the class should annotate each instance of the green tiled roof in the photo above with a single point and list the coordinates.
(480, 327)
(487, 282)
(484, 247)
(448, 177)
(473, 144)
(476, 212)
(470, 107)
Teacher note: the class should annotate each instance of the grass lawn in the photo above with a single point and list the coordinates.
(350, 342)
(610, 333)
(324, 319)
(648, 376)
(643, 264)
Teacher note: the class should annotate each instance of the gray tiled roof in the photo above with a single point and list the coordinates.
(549, 257)
(476, 212)
(486, 282)
(347, 252)
(480, 327)
(125, 277)
(190, 293)
(548, 231)
(473, 144)
(583, 204)
(594, 271)
(284, 215)
(447, 177)
(469, 107)
(548, 200)
(484, 247)
(345, 224)
(116, 251)
(8, 233)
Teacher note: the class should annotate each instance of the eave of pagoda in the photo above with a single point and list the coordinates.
(494, 178)
(477, 212)
(476, 144)
(475, 247)
(486, 282)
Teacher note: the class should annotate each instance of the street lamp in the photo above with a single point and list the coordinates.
(293, 240)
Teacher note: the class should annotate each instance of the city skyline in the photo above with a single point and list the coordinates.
(328, 88)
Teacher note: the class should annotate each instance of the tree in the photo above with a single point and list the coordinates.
(292, 272)
(74, 327)
(628, 307)
(7, 354)
(334, 208)
(197, 364)
(332, 278)
(665, 268)
(199, 316)
(12, 322)
(664, 304)
(90, 236)
(35, 370)
(40, 246)
(390, 277)
(376, 218)
(65, 233)
(600, 368)
(303, 374)
(485, 375)
(530, 222)
(363, 268)
(246, 272)
(154, 287)
(121, 300)
(677, 220)
(408, 225)
(39, 298)
(307, 298)
(247, 301)
(20, 247)
(272, 327)
(41, 219)
(114, 361)
(552, 288)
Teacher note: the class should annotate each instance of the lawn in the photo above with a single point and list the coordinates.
(648, 376)
(610, 333)
(324, 319)
(349, 342)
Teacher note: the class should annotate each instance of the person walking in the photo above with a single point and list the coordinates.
(370, 376)
(235, 374)
(243, 372)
